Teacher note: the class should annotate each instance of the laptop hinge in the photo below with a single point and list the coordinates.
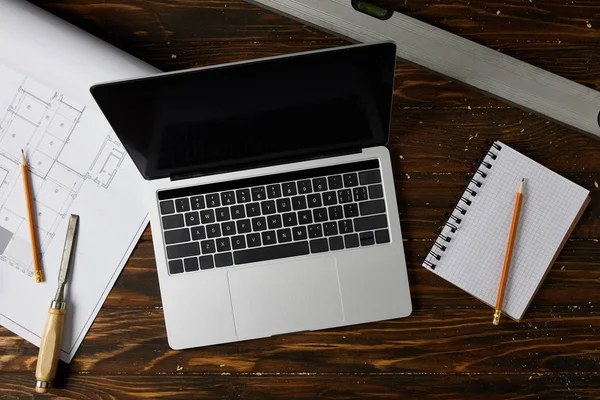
(287, 160)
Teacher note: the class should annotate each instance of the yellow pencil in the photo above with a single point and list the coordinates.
(509, 251)
(39, 276)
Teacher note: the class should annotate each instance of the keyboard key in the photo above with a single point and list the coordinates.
(190, 264)
(350, 210)
(222, 214)
(320, 214)
(242, 195)
(350, 179)
(284, 205)
(315, 231)
(336, 243)
(289, 189)
(284, 235)
(258, 193)
(344, 196)
(299, 202)
(274, 191)
(305, 217)
(223, 244)
(304, 186)
(192, 218)
(253, 209)
(351, 240)
(345, 226)
(207, 216)
(175, 267)
(183, 250)
(172, 221)
(238, 242)
(360, 193)
(198, 233)
(268, 207)
(198, 202)
(206, 262)
(329, 198)
(259, 224)
(335, 212)
(319, 246)
(243, 226)
(335, 182)
(213, 200)
(367, 238)
(368, 177)
(299, 233)
(177, 236)
(314, 200)
(372, 207)
(289, 219)
(213, 230)
(271, 252)
(375, 192)
(370, 223)
(167, 207)
(228, 228)
(223, 260)
(330, 228)
(269, 237)
(238, 212)
(208, 246)
(227, 198)
(382, 236)
(182, 205)
(274, 221)
(253, 239)
(319, 184)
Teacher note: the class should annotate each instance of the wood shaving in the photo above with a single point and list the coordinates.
(587, 23)
(596, 184)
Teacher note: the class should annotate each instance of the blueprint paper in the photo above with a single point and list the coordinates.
(77, 166)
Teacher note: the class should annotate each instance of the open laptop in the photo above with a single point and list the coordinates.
(270, 192)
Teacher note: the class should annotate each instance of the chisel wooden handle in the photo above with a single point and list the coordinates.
(50, 348)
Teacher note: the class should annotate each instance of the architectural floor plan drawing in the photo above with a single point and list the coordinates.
(44, 123)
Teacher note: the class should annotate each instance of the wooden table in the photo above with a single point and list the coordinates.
(448, 348)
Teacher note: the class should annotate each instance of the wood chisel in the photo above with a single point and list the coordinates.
(52, 338)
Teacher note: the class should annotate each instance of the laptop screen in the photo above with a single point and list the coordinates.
(253, 113)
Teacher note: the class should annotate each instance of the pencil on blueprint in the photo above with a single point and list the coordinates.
(39, 276)
(509, 251)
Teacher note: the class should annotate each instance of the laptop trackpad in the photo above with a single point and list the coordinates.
(286, 297)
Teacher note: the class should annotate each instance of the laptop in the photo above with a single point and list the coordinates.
(270, 192)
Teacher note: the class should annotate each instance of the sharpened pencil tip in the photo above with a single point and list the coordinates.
(522, 179)
(22, 156)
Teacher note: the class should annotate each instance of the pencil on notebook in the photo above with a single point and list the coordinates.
(39, 276)
(509, 250)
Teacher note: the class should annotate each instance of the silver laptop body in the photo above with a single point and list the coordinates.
(263, 222)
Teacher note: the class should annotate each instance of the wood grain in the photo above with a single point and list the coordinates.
(440, 340)
(509, 386)
(448, 348)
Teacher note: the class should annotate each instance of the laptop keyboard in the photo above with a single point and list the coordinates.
(291, 214)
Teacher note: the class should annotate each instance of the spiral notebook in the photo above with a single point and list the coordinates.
(469, 252)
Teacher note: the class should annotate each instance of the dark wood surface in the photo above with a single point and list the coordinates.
(448, 348)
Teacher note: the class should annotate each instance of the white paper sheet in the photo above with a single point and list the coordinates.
(77, 167)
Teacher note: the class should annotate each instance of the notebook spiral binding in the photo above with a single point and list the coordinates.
(456, 217)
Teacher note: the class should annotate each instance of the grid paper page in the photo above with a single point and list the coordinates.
(474, 258)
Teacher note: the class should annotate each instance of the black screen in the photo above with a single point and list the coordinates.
(253, 113)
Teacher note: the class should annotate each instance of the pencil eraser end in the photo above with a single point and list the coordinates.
(41, 390)
(497, 314)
